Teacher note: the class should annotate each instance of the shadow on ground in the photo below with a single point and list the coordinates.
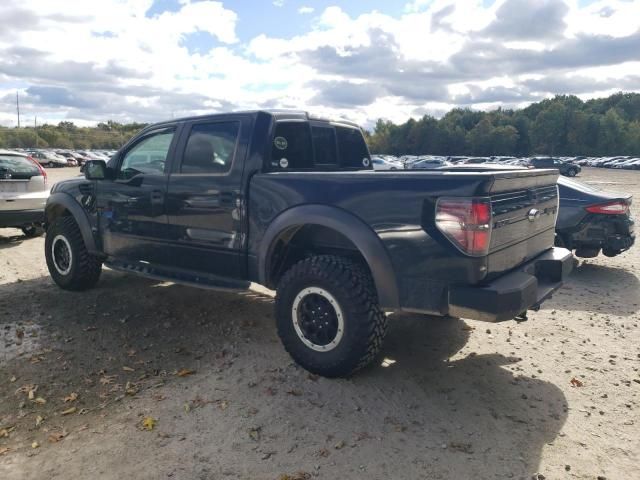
(248, 411)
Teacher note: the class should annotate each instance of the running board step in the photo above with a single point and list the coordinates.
(182, 277)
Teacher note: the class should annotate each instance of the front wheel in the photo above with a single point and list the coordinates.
(70, 264)
(328, 316)
(572, 172)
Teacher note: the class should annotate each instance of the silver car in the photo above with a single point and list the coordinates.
(23, 193)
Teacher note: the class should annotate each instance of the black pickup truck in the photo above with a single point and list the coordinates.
(291, 202)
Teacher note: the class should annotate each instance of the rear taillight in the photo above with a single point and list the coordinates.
(619, 207)
(43, 172)
(466, 222)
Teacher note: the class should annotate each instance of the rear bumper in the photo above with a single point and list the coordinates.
(515, 292)
(20, 218)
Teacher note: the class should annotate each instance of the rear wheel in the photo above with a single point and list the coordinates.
(572, 172)
(328, 316)
(71, 266)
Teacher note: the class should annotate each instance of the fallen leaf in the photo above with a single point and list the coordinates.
(148, 423)
(576, 383)
(339, 445)
(183, 372)
(56, 436)
(254, 433)
(4, 450)
(128, 369)
(35, 445)
(39, 420)
(295, 393)
(295, 476)
(107, 379)
(68, 411)
(13, 379)
(31, 395)
(223, 404)
(40, 401)
(73, 396)
(130, 388)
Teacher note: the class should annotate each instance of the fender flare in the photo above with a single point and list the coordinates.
(77, 212)
(352, 227)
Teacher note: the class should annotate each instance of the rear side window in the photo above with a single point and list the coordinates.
(291, 147)
(12, 167)
(352, 148)
(324, 145)
(210, 148)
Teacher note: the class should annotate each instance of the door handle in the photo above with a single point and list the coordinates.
(157, 196)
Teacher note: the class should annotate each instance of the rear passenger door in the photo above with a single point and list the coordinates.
(205, 198)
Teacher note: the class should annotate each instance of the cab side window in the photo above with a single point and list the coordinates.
(210, 148)
(147, 156)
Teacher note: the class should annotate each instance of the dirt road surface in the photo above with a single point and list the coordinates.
(204, 372)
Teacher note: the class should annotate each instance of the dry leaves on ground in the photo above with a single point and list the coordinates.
(183, 372)
(72, 397)
(148, 423)
(576, 383)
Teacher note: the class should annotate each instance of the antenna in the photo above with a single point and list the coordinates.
(18, 107)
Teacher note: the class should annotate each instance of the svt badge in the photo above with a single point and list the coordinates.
(284, 163)
(280, 143)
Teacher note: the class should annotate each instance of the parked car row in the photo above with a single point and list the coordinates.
(52, 158)
(568, 166)
(624, 162)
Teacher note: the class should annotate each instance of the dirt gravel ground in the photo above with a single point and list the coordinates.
(204, 372)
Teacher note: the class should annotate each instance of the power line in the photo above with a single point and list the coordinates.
(18, 107)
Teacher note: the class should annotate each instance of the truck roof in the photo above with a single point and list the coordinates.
(278, 114)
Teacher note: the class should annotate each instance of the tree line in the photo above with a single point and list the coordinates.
(106, 135)
(563, 125)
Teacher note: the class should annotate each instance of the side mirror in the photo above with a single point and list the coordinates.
(95, 170)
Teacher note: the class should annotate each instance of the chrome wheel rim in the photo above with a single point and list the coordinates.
(61, 254)
(317, 319)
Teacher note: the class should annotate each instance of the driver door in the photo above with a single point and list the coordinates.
(132, 212)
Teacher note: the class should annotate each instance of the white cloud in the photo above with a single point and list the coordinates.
(98, 60)
(278, 3)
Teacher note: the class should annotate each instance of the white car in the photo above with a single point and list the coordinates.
(380, 163)
(23, 193)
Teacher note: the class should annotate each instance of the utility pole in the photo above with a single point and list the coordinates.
(35, 128)
(18, 108)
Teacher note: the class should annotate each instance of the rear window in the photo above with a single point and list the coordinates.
(353, 150)
(291, 147)
(301, 146)
(17, 166)
(324, 145)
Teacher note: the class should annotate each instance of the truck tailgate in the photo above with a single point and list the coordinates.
(525, 207)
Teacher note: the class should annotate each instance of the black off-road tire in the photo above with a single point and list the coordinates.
(83, 268)
(352, 287)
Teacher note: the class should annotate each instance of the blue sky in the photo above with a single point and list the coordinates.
(92, 60)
